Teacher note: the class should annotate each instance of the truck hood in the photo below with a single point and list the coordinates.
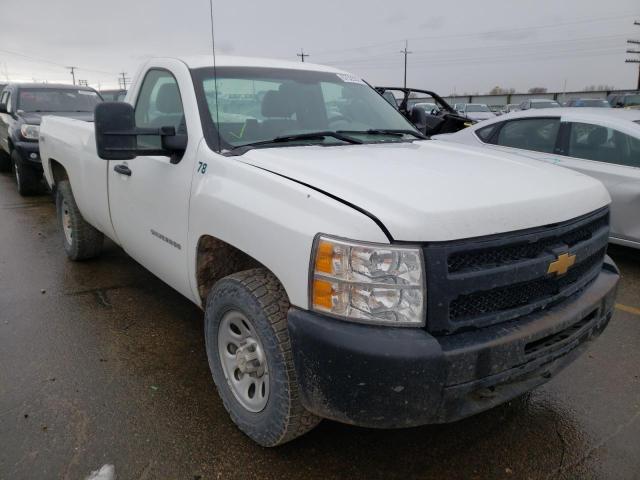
(435, 191)
(35, 118)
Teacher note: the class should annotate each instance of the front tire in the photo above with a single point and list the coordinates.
(28, 179)
(81, 240)
(249, 354)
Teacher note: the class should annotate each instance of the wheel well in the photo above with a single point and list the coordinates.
(58, 172)
(215, 259)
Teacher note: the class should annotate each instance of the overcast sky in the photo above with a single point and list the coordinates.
(462, 46)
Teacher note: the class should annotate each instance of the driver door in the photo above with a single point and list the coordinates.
(149, 195)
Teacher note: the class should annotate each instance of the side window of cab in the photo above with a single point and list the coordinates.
(159, 104)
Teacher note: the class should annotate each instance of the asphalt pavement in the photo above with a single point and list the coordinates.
(102, 363)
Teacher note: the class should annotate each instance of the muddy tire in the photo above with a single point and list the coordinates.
(5, 161)
(81, 240)
(249, 354)
(28, 179)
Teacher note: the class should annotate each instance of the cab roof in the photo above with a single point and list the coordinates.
(200, 61)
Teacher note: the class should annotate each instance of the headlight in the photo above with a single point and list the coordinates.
(30, 132)
(368, 283)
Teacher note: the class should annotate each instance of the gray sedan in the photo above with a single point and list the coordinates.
(602, 143)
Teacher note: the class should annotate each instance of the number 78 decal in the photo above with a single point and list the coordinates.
(202, 167)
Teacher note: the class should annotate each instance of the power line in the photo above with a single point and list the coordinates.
(44, 60)
(483, 32)
(302, 54)
(598, 41)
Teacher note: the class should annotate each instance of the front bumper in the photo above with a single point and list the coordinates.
(401, 377)
(29, 153)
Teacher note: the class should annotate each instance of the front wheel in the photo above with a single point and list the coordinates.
(249, 354)
(28, 179)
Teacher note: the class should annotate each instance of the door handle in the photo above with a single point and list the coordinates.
(123, 170)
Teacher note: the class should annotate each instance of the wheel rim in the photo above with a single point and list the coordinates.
(244, 361)
(17, 173)
(66, 222)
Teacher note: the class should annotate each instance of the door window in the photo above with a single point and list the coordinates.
(602, 144)
(159, 104)
(536, 134)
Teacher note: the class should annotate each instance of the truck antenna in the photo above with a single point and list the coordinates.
(215, 74)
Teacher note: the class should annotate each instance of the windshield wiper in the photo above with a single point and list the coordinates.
(386, 131)
(300, 136)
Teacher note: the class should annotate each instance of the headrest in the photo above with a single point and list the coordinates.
(278, 104)
(168, 99)
(597, 137)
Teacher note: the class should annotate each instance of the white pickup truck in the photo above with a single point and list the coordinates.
(348, 267)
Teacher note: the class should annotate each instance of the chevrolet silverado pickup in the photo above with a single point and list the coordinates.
(348, 268)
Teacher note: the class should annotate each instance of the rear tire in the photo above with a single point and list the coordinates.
(250, 357)
(28, 179)
(81, 240)
(5, 161)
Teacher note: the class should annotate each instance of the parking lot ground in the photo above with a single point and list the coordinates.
(102, 363)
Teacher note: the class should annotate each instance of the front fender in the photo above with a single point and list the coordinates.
(270, 218)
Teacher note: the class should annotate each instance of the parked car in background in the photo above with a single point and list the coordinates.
(442, 119)
(538, 103)
(113, 95)
(625, 100)
(348, 268)
(496, 109)
(602, 143)
(511, 107)
(587, 102)
(476, 111)
(22, 106)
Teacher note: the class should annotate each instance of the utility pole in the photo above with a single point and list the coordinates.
(405, 52)
(123, 80)
(302, 54)
(637, 52)
(73, 73)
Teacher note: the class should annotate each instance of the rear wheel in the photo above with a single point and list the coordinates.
(249, 354)
(81, 240)
(28, 179)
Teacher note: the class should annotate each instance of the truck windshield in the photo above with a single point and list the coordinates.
(256, 105)
(57, 100)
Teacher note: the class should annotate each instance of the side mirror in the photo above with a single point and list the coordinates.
(117, 134)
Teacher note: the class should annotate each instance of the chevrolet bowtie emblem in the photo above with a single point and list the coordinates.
(562, 264)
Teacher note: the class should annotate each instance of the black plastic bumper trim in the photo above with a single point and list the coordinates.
(389, 377)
